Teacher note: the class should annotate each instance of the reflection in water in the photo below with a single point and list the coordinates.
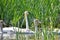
(37, 36)
(27, 38)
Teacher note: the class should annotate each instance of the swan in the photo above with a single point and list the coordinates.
(21, 30)
(56, 30)
(24, 30)
(27, 30)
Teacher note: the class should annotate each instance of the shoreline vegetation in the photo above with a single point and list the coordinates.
(46, 11)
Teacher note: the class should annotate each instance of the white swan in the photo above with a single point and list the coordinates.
(25, 30)
(56, 30)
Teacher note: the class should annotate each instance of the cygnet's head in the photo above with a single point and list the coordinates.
(36, 21)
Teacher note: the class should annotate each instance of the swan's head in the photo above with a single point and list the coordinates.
(26, 13)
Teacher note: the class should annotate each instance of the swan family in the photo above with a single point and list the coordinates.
(23, 30)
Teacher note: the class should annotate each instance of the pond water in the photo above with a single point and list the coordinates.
(27, 37)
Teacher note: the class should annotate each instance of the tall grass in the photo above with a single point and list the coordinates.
(44, 10)
(13, 9)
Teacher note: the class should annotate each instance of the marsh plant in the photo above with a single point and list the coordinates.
(11, 11)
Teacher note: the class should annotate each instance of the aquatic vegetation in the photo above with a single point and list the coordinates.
(12, 11)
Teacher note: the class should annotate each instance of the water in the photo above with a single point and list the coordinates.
(27, 37)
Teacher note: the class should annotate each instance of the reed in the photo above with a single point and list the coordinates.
(44, 10)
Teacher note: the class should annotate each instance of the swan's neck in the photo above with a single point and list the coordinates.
(27, 26)
(36, 29)
(35, 25)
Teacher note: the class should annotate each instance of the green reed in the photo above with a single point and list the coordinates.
(44, 10)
